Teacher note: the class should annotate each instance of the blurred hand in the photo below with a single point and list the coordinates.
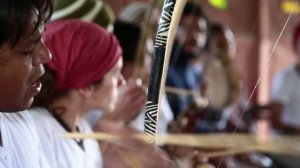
(129, 152)
(131, 101)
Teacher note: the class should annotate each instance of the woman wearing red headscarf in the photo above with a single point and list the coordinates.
(84, 75)
(85, 66)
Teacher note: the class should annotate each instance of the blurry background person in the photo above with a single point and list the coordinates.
(285, 93)
(284, 103)
(190, 40)
(221, 39)
(220, 87)
(220, 79)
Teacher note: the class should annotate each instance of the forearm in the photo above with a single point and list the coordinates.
(276, 116)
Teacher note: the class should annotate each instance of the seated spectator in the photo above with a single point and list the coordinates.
(285, 93)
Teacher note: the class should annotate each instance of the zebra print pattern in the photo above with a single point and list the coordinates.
(151, 118)
(164, 23)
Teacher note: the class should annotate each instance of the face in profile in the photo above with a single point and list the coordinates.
(21, 68)
(106, 93)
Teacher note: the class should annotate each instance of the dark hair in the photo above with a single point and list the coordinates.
(213, 30)
(216, 28)
(192, 8)
(195, 10)
(128, 35)
(16, 15)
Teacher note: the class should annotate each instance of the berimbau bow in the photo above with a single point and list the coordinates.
(163, 44)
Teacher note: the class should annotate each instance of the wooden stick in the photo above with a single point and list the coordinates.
(180, 91)
(232, 151)
(240, 143)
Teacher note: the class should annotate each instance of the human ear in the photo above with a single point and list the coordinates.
(86, 92)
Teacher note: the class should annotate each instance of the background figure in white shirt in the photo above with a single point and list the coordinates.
(22, 55)
(86, 63)
(285, 93)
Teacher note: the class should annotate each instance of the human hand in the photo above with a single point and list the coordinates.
(131, 101)
(129, 152)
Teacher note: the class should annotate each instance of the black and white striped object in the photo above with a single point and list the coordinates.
(151, 114)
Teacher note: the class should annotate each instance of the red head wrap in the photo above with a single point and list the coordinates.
(296, 36)
(82, 52)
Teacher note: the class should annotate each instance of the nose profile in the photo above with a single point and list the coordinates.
(42, 54)
(121, 81)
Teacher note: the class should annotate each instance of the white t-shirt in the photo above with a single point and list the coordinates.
(286, 89)
(67, 153)
(21, 146)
